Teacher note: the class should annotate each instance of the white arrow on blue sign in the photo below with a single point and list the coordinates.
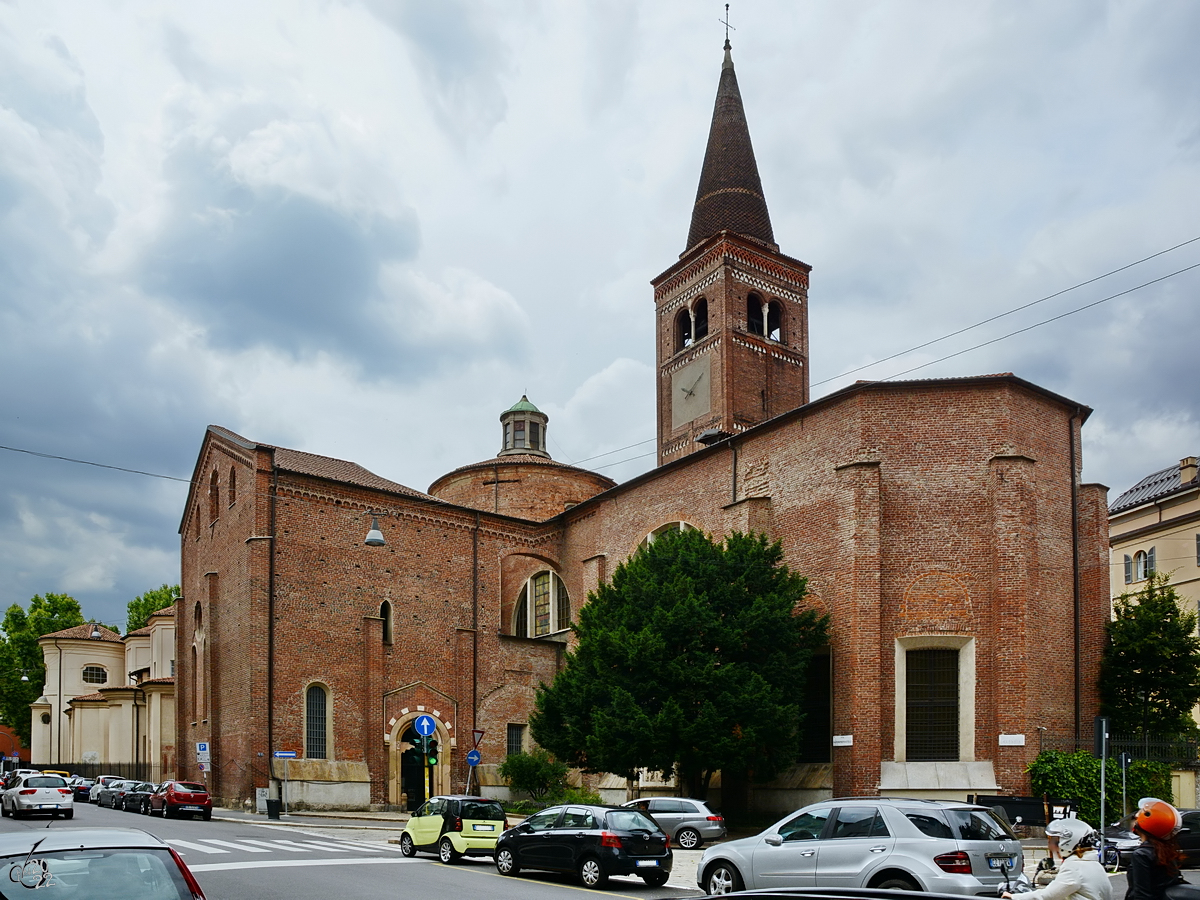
(473, 758)
(284, 754)
(425, 725)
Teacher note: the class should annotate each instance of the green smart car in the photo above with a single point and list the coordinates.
(453, 827)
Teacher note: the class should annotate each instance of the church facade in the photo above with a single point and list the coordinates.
(942, 525)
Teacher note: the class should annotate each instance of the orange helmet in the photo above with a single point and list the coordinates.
(1157, 818)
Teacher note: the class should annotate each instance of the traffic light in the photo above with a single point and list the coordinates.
(431, 751)
(419, 745)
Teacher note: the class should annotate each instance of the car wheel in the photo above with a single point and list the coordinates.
(689, 839)
(722, 878)
(69, 814)
(3, 811)
(591, 873)
(506, 862)
(656, 879)
(406, 845)
(167, 814)
(897, 883)
(446, 851)
(208, 816)
(145, 810)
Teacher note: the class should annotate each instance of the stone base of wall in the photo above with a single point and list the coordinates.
(323, 784)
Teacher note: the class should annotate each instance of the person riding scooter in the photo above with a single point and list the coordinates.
(1154, 865)
(1080, 874)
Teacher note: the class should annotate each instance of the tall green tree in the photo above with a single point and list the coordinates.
(142, 607)
(1150, 672)
(20, 654)
(691, 660)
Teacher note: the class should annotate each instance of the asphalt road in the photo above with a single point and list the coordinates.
(317, 859)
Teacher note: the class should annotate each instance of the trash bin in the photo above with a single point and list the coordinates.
(273, 808)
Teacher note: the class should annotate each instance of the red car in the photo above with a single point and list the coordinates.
(181, 798)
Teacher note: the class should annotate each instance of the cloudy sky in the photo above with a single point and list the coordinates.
(363, 228)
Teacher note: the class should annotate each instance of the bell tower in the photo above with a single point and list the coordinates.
(732, 313)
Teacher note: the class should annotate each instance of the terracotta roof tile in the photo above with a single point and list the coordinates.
(88, 698)
(84, 633)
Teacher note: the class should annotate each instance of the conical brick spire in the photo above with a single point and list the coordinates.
(730, 195)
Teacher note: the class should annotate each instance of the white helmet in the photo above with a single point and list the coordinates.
(1074, 833)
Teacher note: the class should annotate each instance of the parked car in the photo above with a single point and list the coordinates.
(11, 777)
(137, 798)
(81, 789)
(689, 822)
(95, 863)
(112, 794)
(101, 783)
(181, 798)
(38, 793)
(872, 842)
(1121, 835)
(453, 827)
(592, 841)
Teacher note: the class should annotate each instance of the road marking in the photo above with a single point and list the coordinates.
(288, 863)
(364, 845)
(175, 842)
(234, 846)
(320, 845)
(275, 845)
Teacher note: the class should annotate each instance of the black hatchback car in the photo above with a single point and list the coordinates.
(592, 841)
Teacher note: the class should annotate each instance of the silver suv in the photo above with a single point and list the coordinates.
(880, 842)
(689, 822)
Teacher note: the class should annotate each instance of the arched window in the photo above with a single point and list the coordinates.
(232, 485)
(316, 722)
(700, 318)
(195, 685)
(754, 314)
(670, 526)
(214, 497)
(543, 606)
(385, 613)
(95, 675)
(775, 321)
(197, 617)
(683, 329)
(1143, 564)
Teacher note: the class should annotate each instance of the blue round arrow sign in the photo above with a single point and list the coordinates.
(473, 758)
(425, 725)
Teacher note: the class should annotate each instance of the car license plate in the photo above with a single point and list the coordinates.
(47, 806)
(999, 862)
(647, 862)
(190, 807)
(484, 827)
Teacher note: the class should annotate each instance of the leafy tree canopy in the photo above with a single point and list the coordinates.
(1150, 672)
(20, 654)
(142, 607)
(691, 660)
(536, 773)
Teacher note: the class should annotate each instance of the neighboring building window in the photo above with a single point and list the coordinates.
(516, 739)
(172, 668)
(385, 613)
(543, 606)
(95, 675)
(316, 702)
(1129, 567)
(932, 704)
(1143, 564)
(1198, 549)
(232, 485)
(214, 497)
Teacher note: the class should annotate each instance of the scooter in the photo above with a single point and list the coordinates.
(1022, 887)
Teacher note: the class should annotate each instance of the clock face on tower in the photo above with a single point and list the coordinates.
(691, 392)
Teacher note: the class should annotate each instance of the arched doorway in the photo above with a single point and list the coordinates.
(408, 778)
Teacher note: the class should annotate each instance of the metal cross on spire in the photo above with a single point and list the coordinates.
(725, 22)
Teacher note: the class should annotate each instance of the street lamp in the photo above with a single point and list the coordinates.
(375, 536)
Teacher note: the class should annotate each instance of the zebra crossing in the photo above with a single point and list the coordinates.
(281, 852)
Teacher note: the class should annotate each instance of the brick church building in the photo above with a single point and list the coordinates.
(942, 524)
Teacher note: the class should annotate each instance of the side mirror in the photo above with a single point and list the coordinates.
(774, 840)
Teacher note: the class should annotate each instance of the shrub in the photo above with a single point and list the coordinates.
(1069, 776)
(537, 773)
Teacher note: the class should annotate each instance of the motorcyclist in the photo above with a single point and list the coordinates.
(1080, 874)
(1154, 864)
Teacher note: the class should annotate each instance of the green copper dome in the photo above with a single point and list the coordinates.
(523, 405)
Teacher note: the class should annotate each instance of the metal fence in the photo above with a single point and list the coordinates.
(140, 771)
(1177, 751)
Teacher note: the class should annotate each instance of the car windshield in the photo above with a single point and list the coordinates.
(488, 810)
(629, 820)
(45, 781)
(978, 825)
(147, 874)
(190, 788)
